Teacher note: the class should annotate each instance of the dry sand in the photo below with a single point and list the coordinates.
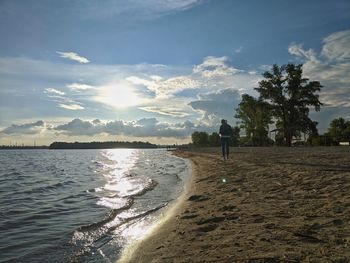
(262, 205)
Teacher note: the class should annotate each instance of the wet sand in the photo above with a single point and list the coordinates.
(262, 205)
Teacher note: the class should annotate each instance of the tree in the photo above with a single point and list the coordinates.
(290, 97)
(214, 139)
(234, 140)
(200, 138)
(339, 130)
(255, 116)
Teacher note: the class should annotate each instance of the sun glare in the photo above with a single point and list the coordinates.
(118, 95)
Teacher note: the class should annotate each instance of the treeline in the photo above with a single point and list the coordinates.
(21, 147)
(337, 132)
(205, 139)
(101, 145)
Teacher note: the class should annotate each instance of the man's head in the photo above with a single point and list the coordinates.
(223, 121)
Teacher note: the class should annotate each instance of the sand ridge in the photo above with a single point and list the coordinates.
(262, 205)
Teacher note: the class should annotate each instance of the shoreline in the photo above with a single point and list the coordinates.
(135, 252)
(262, 205)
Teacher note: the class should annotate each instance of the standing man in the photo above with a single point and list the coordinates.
(225, 134)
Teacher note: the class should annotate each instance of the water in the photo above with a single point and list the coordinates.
(82, 205)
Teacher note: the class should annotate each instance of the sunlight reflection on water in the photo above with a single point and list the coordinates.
(130, 175)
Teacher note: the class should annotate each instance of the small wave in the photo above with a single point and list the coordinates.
(49, 187)
(127, 187)
(98, 163)
(87, 237)
(95, 190)
(11, 174)
(115, 202)
(148, 187)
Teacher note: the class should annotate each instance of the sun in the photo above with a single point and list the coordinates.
(118, 95)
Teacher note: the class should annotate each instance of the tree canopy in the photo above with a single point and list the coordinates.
(290, 97)
(339, 130)
(255, 116)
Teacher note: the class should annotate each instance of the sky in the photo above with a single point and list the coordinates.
(158, 70)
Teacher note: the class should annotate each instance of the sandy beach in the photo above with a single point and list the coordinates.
(262, 205)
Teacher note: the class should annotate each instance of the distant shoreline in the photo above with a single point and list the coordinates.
(86, 145)
(24, 147)
(101, 145)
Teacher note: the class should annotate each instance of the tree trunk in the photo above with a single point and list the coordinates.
(286, 131)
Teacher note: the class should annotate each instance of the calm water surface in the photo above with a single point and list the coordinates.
(82, 205)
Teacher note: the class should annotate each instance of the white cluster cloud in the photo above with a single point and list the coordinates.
(213, 67)
(79, 86)
(145, 127)
(55, 91)
(26, 128)
(73, 56)
(71, 106)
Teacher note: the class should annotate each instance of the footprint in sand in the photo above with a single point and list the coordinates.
(198, 198)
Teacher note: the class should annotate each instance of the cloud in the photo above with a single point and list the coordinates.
(265, 67)
(238, 50)
(133, 9)
(331, 67)
(147, 122)
(217, 105)
(79, 86)
(213, 73)
(167, 111)
(63, 101)
(54, 91)
(297, 50)
(336, 46)
(27, 128)
(73, 56)
(145, 127)
(71, 106)
(165, 88)
(215, 67)
(80, 127)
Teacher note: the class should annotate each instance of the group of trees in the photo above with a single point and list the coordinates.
(285, 99)
(255, 116)
(205, 139)
(338, 131)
